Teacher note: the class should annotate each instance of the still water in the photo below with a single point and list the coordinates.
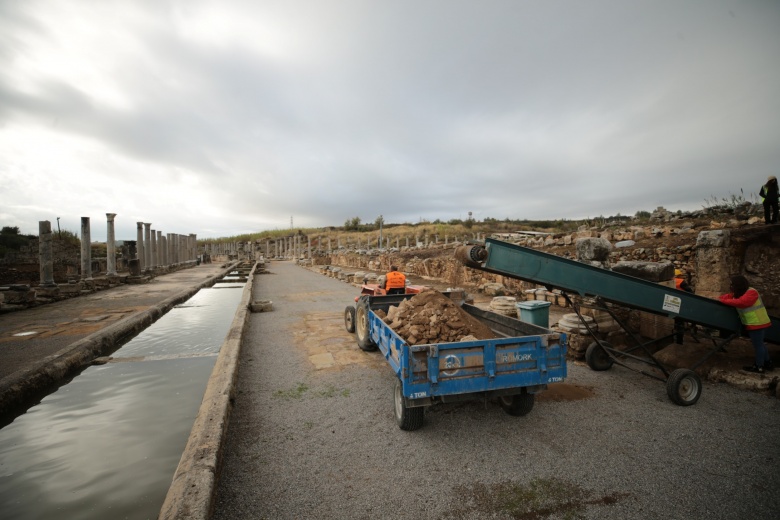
(107, 444)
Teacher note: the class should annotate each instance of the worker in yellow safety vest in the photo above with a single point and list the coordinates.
(395, 281)
(754, 317)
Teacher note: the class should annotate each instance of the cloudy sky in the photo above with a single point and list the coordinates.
(226, 117)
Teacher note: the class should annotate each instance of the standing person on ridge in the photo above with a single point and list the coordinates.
(395, 282)
(753, 316)
(769, 198)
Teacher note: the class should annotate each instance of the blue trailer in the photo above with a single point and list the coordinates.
(519, 363)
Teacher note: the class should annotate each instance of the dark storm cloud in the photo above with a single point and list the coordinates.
(329, 110)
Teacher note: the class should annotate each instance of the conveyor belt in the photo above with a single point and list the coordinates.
(570, 276)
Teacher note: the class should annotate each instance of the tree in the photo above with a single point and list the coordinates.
(352, 224)
(379, 222)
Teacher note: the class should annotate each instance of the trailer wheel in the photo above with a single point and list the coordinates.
(518, 404)
(597, 358)
(683, 387)
(362, 330)
(406, 417)
(349, 318)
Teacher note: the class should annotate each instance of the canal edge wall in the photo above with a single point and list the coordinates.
(191, 495)
(23, 388)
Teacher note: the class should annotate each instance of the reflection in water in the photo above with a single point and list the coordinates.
(107, 444)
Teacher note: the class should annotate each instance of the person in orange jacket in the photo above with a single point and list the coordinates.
(395, 281)
(754, 317)
(680, 282)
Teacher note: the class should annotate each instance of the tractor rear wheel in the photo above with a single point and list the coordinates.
(349, 318)
(362, 327)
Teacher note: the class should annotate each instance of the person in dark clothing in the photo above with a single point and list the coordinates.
(769, 197)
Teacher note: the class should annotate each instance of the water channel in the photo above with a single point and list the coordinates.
(106, 445)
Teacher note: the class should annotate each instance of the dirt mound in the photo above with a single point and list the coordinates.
(431, 317)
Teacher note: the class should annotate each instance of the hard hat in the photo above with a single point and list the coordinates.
(772, 178)
(677, 272)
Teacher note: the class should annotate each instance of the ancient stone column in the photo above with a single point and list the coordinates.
(159, 249)
(147, 245)
(193, 246)
(110, 245)
(46, 258)
(140, 245)
(164, 239)
(407, 241)
(397, 241)
(153, 247)
(86, 250)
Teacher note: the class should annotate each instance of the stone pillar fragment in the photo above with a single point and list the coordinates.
(140, 254)
(147, 245)
(159, 249)
(110, 245)
(46, 258)
(153, 243)
(86, 250)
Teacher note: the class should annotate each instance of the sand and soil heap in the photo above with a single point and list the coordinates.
(431, 317)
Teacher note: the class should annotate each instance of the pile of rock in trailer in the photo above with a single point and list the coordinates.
(431, 317)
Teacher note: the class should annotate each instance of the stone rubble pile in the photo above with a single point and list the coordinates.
(431, 317)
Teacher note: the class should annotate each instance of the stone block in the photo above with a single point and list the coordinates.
(261, 306)
(589, 249)
(713, 238)
(653, 326)
(651, 271)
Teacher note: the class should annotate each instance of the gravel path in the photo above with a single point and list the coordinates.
(312, 435)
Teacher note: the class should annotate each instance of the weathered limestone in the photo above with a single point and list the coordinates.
(141, 255)
(164, 249)
(45, 253)
(110, 245)
(86, 250)
(650, 271)
(593, 251)
(155, 248)
(714, 264)
(147, 246)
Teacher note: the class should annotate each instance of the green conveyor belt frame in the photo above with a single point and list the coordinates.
(703, 318)
(576, 277)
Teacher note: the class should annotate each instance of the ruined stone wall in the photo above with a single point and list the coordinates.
(752, 253)
(21, 267)
(709, 262)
